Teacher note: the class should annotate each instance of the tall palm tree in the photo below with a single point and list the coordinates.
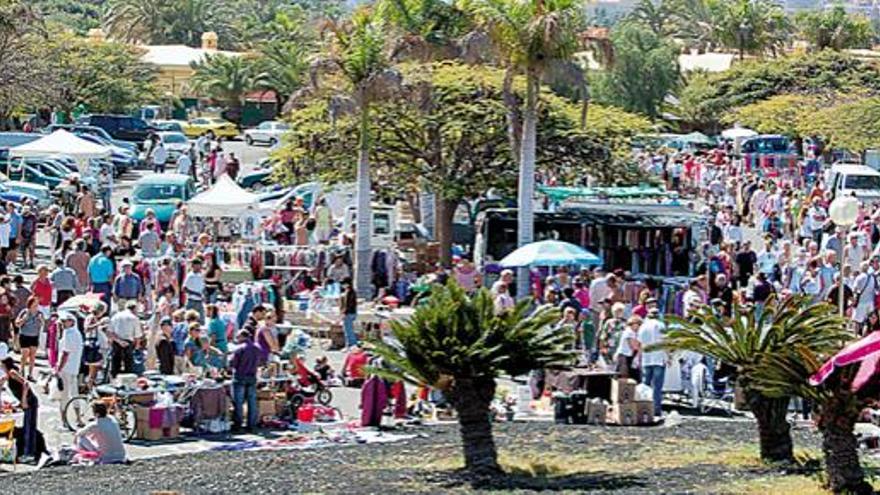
(225, 78)
(169, 21)
(657, 16)
(837, 406)
(532, 35)
(748, 341)
(283, 61)
(457, 344)
(358, 53)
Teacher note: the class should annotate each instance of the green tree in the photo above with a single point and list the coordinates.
(749, 341)
(171, 21)
(450, 135)
(79, 15)
(694, 22)
(836, 405)
(26, 76)
(750, 26)
(425, 30)
(656, 16)
(781, 114)
(226, 79)
(532, 36)
(849, 125)
(104, 76)
(458, 345)
(283, 61)
(834, 29)
(644, 72)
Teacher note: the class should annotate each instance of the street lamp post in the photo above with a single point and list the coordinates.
(843, 212)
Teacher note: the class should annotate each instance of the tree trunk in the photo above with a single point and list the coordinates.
(773, 429)
(525, 215)
(471, 399)
(842, 467)
(364, 229)
(443, 221)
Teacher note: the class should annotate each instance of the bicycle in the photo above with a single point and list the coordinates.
(78, 410)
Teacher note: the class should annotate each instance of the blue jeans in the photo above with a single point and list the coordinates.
(348, 327)
(653, 376)
(199, 306)
(244, 388)
(105, 289)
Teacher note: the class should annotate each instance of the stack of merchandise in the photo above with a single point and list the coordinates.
(158, 422)
(570, 408)
(628, 407)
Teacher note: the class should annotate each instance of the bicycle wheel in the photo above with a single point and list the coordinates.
(324, 397)
(77, 413)
(127, 421)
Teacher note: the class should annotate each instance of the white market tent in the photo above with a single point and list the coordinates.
(225, 200)
(61, 142)
(738, 133)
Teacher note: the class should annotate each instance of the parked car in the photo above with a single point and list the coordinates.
(168, 125)
(123, 127)
(268, 132)
(41, 195)
(211, 127)
(160, 193)
(175, 142)
(122, 159)
(259, 177)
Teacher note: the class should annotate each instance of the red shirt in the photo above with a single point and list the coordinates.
(354, 364)
(42, 288)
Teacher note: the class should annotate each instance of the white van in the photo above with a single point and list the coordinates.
(384, 224)
(860, 181)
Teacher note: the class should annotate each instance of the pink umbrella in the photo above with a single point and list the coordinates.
(865, 351)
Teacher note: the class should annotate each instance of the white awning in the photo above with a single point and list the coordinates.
(61, 142)
(225, 200)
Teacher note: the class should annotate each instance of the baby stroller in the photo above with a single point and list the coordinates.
(711, 391)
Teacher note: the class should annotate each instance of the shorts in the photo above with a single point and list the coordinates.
(26, 341)
(13, 244)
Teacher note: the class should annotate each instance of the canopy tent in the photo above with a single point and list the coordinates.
(225, 200)
(550, 253)
(696, 139)
(622, 193)
(738, 133)
(61, 142)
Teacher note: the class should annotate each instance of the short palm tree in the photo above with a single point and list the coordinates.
(532, 36)
(748, 341)
(837, 408)
(225, 78)
(457, 344)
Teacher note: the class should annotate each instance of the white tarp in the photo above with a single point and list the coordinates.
(61, 142)
(225, 200)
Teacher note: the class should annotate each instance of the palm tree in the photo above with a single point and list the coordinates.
(531, 35)
(748, 341)
(283, 55)
(837, 408)
(226, 78)
(358, 54)
(658, 17)
(458, 344)
(750, 26)
(169, 21)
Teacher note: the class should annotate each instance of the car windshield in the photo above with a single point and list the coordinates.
(282, 126)
(870, 182)
(174, 139)
(158, 192)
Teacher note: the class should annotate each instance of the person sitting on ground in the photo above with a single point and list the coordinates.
(102, 437)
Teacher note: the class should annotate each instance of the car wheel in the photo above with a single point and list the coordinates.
(249, 140)
(210, 135)
(272, 142)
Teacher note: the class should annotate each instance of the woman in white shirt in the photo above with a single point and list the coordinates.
(627, 348)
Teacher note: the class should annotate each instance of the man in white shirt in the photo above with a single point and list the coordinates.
(865, 287)
(102, 437)
(653, 361)
(68, 365)
(183, 164)
(159, 157)
(194, 289)
(125, 334)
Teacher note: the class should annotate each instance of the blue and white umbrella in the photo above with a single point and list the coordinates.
(550, 253)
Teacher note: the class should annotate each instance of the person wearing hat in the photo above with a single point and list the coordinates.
(653, 363)
(101, 269)
(126, 332)
(245, 362)
(165, 347)
(70, 359)
(194, 288)
(128, 286)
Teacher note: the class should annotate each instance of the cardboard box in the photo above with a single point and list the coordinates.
(266, 408)
(623, 390)
(623, 414)
(597, 412)
(265, 394)
(644, 412)
(172, 432)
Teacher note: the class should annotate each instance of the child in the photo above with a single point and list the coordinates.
(323, 368)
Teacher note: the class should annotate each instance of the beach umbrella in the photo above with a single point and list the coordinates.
(865, 351)
(550, 253)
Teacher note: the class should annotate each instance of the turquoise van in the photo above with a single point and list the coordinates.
(160, 193)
